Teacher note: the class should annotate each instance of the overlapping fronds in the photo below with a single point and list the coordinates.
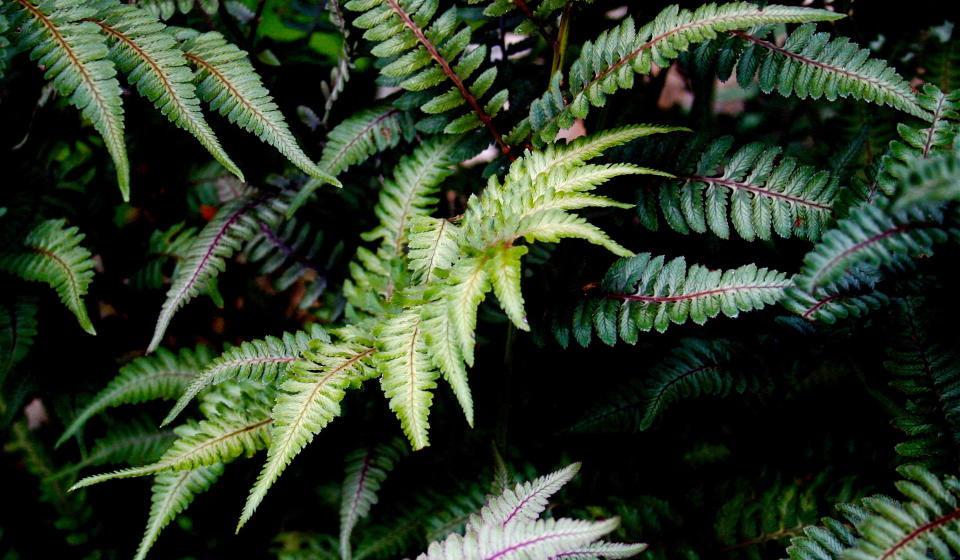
(51, 253)
(433, 57)
(754, 189)
(811, 64)
(171, 493)
(646, 292)
(290, 252)
(142, 49)
(264, 360)
(235, 223)
(226, 80)
(354, 140)
(926, 523)
(932, 180)
(490, 534)
(608, 64)
(170, 246)
(75, 55)
(136, 442)
(241, 427)
(307, 401)
(694, 368)
(161, 376)
(366, 470)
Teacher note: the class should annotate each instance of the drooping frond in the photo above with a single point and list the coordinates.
(366, 470)
(236, 222)
(264, 360)
(753, 189)
(227, 81)
(608, 64)
(18, 327)
(925, 524)
(150, 57)
(646, 292)
(307, 401)
(433, 57)
(870, 238)
(74, 54)
(695, 367)
(412, 190)
(171, 493)
(354, 140)
(51, 253)
(228, 431)
(811, 64)
(408, 376)
(161, 376)
(524, 502)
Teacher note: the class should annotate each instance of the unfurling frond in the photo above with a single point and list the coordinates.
(608, 64)
(172, 492)
(228, 431)
(307, 401)
(162, 376)
(435, 60)
(263, 360)
(74, 54)
(236, 222)
(760, 194)
(51, 253)
(226, 80)
(149, 55)
(645, 292)
(366, 470)
(354, 140)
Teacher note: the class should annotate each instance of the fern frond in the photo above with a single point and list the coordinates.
(830, 306)
(432, 55)
(52, 254)
(149, 55)
(870, 237)
(608, 64)
(811, 64)
(340, 73)
(433, 247)
(645, 292)
(524, 502)
(444, 351)
(921, 143)
(366, 470)
(165, 9)
(290, 252)
(354, 140)
(307, 401)
(412, 191)
(74, 54)
(162, 376)
(227, 81)
(171, 493)
(18, 328)
(226, 433)
(236, 222)
(932, 180)
(135, 443)
(760, 194)
(264, 360)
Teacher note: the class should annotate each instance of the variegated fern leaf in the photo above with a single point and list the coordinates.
(263, 360)
(609, 63)
(136, 442)
(366, 470)
(161, 376)
(648, 292)
(753, 188)
(434, 59)
(51, 253)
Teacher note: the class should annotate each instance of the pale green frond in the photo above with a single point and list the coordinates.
(150, 57)
(166, 9)
(554, 225)
(524, 501)
(444, 349)
(51, 253)
(171, 493)
(469, 284)
(74, 54)
(408, 375)
(503, 267)
(235, 223)
(263, 360)
(307, 401)
(228, 431)
(161, 376)
(433, 247)
(227, 81)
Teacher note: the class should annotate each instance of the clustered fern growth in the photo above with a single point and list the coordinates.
(459, 182)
